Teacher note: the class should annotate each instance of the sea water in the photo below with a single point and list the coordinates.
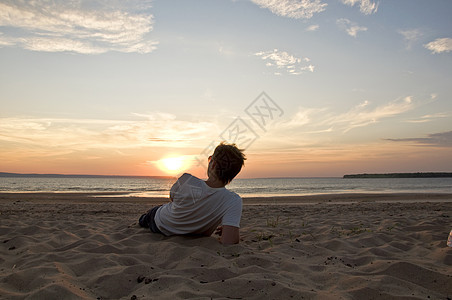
(263, 187)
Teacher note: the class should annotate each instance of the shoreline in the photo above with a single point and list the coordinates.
(124, 197)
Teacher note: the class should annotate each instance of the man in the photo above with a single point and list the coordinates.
(200, 207)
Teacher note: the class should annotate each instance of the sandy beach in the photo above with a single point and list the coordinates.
(348, 246)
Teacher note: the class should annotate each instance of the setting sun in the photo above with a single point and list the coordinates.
(173, 165)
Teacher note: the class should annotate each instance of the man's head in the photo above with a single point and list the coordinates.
(226, 162)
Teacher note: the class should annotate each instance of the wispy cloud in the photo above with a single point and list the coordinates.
(442, 139)
(313, 27)
(5, 41)
(296, 9)
(410, 36)
(315, 120)
(283, 61)
(87, 27)
(430, 117)
(367, 7)
(157, 129)
(440, 45)
(350, 27)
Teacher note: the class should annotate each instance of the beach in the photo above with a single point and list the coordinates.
(331, 246)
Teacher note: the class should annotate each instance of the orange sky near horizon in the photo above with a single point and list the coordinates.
(384, 157)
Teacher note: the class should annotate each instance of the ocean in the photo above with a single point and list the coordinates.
(257, 187)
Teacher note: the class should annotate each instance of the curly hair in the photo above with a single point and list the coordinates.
(229, 161)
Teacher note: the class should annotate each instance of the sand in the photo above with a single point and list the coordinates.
(375, 246)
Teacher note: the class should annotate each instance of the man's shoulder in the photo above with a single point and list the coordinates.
(232, 195)
(187, 177)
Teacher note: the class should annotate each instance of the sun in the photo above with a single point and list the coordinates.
(173, 165)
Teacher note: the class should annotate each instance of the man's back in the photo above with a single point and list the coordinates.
(197, 208)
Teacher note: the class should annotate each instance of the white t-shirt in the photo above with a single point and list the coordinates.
(197, 208)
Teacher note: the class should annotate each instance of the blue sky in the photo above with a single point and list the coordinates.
(114, 87)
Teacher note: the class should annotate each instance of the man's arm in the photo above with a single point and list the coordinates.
(229, 235)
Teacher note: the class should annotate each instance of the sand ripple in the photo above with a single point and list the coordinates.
(323, 251)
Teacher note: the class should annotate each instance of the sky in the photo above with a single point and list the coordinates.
(309, 88)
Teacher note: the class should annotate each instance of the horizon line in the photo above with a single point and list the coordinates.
(13, 174)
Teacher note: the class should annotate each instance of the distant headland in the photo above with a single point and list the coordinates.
(402, 175)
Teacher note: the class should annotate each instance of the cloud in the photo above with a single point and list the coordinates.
(361, 115)
(350, 27)
(281, 60)
(296, 9)
(442, 139)
(440, 45)
(429, 118)
(5, 41)
(322, 120)
(367, 7)
(410, 36)
(157, 129)
(313, 28)
(88, 27)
